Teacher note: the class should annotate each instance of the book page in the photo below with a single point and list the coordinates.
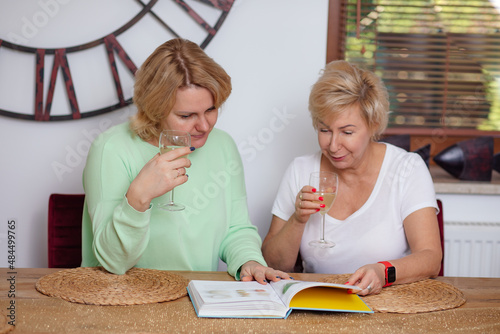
(219, 292)
(235, 299)
(328, 299)
(286, 289)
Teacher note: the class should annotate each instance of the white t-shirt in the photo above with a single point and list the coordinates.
(373, 233)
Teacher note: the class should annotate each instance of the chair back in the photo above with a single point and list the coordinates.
(65, 230)
(441, 233)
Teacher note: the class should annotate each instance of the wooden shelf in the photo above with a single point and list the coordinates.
(444, 183)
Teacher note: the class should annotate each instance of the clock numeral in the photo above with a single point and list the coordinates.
(112, 46)
(40, 63)
(224, 5)
(60, 61)
(196, 17)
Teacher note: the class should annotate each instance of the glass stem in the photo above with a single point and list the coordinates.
(172, 196)
(323, 229)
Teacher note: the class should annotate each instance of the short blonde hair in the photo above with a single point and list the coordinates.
(175, 64)
(342, 85)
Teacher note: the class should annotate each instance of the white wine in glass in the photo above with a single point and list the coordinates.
(169, 141)
(326, 184)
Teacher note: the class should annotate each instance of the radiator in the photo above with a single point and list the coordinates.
(472, 249)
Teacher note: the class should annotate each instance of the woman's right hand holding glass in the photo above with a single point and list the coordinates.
(158, 176)
(307, 203)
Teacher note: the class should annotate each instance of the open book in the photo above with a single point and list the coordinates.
(226, 299)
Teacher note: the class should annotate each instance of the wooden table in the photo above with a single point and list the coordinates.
(36, 313)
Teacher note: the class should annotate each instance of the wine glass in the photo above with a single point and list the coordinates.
(169, 141)
(326, 184)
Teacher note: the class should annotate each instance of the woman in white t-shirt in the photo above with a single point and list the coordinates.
(383, 220)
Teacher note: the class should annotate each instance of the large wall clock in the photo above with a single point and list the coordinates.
(55, 62)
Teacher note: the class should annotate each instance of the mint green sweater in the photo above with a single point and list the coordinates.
(215, 223)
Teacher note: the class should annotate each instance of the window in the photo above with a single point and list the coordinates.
(440, 60)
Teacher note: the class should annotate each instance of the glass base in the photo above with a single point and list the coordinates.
(322, 244)
(171, 207)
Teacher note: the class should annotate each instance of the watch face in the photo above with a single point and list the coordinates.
(64, 60)
(391, 274)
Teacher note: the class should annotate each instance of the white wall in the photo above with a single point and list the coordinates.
(273, 51)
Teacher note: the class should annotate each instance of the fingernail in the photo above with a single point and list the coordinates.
(322, 205)
(278, 277)
(187, 175)
(349, 291)
(192, 148)
(317, 210)
(346, 283)
(291, 277)
(321, 198)
(313, 190)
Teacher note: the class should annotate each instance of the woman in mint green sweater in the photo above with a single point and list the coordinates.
(180, 88)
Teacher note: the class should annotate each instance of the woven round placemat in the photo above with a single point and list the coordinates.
(422, 296)
(5, 327)
(95, 285)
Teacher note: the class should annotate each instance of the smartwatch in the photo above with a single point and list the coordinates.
(390, 273)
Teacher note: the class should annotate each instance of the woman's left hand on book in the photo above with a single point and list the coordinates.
(252, 270)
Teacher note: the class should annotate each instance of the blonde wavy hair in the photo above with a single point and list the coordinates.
(175, 64)
(342, 85)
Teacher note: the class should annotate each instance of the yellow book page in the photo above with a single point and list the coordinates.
(324, 298)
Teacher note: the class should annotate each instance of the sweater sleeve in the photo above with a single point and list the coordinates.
(242, 242)
(117, 233)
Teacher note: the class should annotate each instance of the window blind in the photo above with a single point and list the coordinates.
(440, 60)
